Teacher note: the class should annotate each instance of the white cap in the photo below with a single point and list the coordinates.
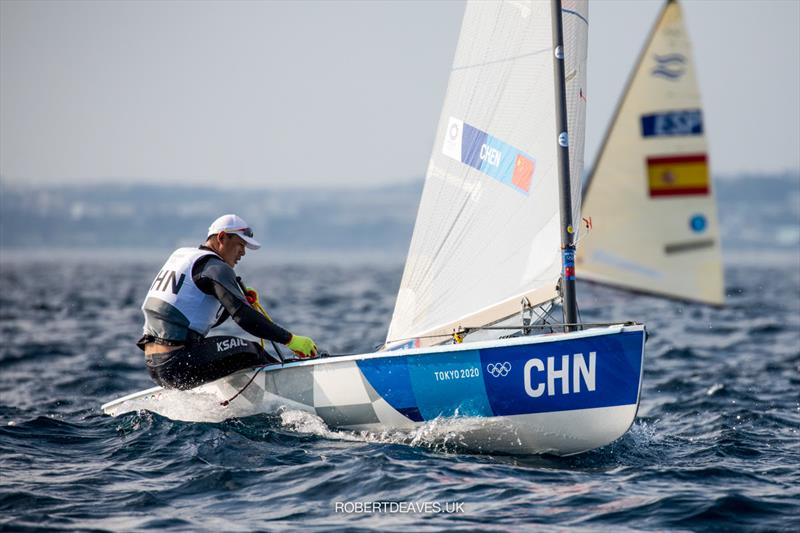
(234, 224)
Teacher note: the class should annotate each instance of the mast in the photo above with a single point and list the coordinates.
(570, 304)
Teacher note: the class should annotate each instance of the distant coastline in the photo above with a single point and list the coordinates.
(149, 216)
(757, 213)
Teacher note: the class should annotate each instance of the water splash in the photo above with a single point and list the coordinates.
(446, 435)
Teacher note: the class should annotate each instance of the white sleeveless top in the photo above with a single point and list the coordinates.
(186, 305)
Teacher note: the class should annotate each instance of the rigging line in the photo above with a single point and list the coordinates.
(227, 402)
(571, 12)
(503, 60)
(537, 326)
(255, 304)
(277, 352)
(544, 326)
(259, 369)
(546, 313)
(545, 316)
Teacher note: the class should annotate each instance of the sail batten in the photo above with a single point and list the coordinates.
(487, 229)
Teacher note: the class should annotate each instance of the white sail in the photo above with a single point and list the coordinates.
(650, 197)
(487, 230)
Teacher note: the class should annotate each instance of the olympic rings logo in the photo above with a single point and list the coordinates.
(499, 369)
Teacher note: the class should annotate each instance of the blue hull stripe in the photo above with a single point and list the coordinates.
(561, 376)
(457, 376)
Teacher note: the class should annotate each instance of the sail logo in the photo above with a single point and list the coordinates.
(670, 66)
(488, 154)
(672, 123)
(540, 377)
(698, 223)
(229, 344)
(497, 370)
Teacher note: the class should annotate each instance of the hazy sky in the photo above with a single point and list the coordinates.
(336, 93)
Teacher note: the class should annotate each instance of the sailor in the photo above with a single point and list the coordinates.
(196, 290)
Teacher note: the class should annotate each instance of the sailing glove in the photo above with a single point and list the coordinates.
(304, 347)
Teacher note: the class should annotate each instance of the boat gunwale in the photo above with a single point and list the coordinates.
(429, 350)
(465, 346)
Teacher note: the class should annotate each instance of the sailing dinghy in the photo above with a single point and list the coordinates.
(650, 199)
(493, 239)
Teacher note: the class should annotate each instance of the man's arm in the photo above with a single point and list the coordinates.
(216, 278)
(248, 318)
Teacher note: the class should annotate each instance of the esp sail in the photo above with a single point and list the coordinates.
(650, 196)
(487, 232)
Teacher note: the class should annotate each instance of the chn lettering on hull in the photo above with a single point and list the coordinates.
(569, 376)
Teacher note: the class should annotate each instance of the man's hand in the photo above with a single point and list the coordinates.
(304, 347)
(251, 295)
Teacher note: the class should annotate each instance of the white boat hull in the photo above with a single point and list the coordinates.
(560, 394)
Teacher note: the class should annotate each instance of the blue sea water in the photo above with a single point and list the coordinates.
(716, 445)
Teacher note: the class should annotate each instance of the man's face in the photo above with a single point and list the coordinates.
(232, 248)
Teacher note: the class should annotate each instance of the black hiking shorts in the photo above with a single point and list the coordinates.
(205, 360)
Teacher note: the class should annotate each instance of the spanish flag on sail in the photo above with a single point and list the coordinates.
(678, 175)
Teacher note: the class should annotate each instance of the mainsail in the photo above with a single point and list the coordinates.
(650, 197)
(487, 232)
